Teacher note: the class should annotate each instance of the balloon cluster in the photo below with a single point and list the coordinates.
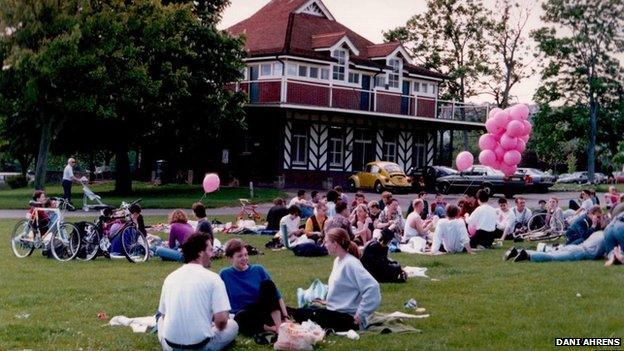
(502, 147)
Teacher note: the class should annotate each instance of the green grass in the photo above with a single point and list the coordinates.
(601, 188)
(164, 196)
(479, 302)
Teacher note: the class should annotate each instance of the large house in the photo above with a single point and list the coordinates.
(324, 101)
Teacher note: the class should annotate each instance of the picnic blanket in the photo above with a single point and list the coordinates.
(384, 323)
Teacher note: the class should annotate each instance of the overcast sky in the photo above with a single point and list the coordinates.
(370, 18)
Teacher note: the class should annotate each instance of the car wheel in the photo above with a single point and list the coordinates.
(351, 185)
(378, 187)
(444, 188)
(487, 188)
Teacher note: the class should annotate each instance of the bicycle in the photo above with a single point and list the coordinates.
(63, 238)
(542, 227)
(97, 238)
(248, 210)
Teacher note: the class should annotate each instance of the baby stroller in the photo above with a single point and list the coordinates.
(96, 202)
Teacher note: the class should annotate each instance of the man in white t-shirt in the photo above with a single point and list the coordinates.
(69, 178)
(518, 218)
(289, 227)
(306, 207)
(194, 307)
(502, 214)
(482, 222)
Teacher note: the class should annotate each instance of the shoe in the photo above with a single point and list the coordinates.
(522, 256)
(512, 252)
(541, 247)
(518, 239)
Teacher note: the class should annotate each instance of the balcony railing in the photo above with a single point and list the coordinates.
(305, 93)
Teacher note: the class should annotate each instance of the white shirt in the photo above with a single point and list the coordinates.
(515, 217)
(587, 205)
(409, 231)
(68, 173)
(190, 296)
(452, 234)
(501, 218)
(483, 218)
(291, 226)
(299, 202)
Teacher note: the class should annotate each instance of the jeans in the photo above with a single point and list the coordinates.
(614, 234)
(220, 340)
(67, 185)
(566, 253)
(168, 254)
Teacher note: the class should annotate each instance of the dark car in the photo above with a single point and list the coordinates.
(481, 177)
(424, 177)
(537, 180)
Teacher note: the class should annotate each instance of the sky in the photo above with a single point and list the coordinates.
(370, 18)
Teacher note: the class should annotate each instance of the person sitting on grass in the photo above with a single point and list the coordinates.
(415, 226)
(341, 220)
(375, 260)
(502, 213)
(193, 312)
(575, 210)
(304, 205)
(314, 225)
(386, 196)
(612, 198)
(360, 199)
(332, 200)
(289, 227)
(362, 225)
(390, 218)
(275, 214)
(353, 293)
(202, 222)
(591, 249)
(584, 226)
(116, 249)
(179, 231)
(518, 218)
(451, 234)
(438, 207)
(483, 222)
(256, 302)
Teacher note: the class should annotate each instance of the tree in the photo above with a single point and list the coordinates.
(579, 68)
(509, 57)
(449, 38)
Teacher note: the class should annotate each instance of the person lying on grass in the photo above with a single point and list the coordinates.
(375, 260)
(614, 237)
(353, 294)
(256, 302)
(450, 234)
(193, 312)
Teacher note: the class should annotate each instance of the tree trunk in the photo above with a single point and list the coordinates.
(591, 147)
(123, 181)
(44, 148)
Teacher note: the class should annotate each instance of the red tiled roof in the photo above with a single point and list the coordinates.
(382, 50)
(326, 40)
(276, 29)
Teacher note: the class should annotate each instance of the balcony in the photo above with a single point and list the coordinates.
(300, 93)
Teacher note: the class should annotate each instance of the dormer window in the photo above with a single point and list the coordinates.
(395, 73)
(341, 66)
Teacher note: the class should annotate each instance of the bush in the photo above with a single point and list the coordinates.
(17, 181)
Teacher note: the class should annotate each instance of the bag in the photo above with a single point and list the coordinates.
(316, 291)
(294, 336)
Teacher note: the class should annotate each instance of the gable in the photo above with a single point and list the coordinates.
(315, 8)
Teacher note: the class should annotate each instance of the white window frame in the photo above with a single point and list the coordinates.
(336, 152)
(297, 139)
(262, 73)
(394, 75)
(387, 147)
(292, 69)
(318, 73)
(277, 68)
(302, 69)
(342, 55)
(420, 148)
(354, 78)
(382, 79)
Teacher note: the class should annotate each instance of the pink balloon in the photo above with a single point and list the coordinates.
(525, 138)
(508, 142)
(487, 157)
(496, 164)
(211, 182)
(528, 127)
(508, 170)
(487, 142)
(464, 160)
(494, 111)
(472, 230)
(512, 157)
(501, 119)
(492, 127)
(516, 113)
(522, 110)
(521, 146)
(515, 129)
(500, 152)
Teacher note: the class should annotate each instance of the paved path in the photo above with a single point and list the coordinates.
(404, 199)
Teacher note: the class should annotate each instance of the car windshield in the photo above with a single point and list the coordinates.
(393, 168)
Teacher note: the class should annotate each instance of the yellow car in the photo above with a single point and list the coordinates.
(380, 176)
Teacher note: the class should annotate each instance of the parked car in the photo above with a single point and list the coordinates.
(380, 176)
(582, 178)
(481, 177)
(536, 180)
(424, 177)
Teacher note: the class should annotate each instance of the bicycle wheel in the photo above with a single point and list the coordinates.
(22, 239)
(544, 227)
(65, 242)
(89, 243)
(135, 246)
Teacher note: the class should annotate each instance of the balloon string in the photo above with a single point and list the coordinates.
(202, 198)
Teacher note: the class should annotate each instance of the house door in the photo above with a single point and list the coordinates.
(405, 98)
(362, 149)
(365, 99)
(253, 88)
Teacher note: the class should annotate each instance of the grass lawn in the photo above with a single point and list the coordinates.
(477, 303)
(600, 188)
(164, 196)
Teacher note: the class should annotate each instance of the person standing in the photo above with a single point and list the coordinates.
(194, 307)
(69, 178)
